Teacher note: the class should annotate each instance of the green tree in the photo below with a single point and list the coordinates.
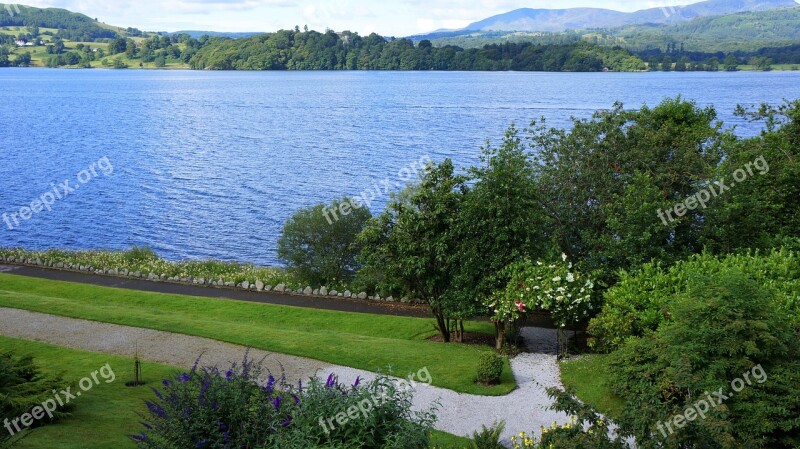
(603, 182)
(317, 243)
(731, 63)
(500, 222)
(23, 60)
(666, 64)
(682, 64)
(414, 245)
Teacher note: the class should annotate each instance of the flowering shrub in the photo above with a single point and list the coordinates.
(555, 287)
(209, 408)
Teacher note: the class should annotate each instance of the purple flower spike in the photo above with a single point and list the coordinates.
(331, 381)
(358, 381)
(277, 403)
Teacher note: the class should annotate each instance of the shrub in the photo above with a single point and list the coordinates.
(488, 438)
(210, 408)
(724, 327)
(22, 387)
(642, 300)
(317, 243)
(490, 368)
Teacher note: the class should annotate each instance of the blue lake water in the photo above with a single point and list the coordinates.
(211, 164)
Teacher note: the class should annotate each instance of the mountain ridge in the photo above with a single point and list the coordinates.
(560, 20)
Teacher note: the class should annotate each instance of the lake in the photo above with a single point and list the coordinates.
(210, 164)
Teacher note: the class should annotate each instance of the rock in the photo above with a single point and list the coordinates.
(152, 276)
(267, 288)
(340, 295)
(280, 288)
(362, 295)
(347, 293)
(201, 281)
(315, 292)
(259, 285)
(246, 285)
(323, 291)
(230, 284)
(390, 299)
(405, 300)
(308, 291)
(334, 293)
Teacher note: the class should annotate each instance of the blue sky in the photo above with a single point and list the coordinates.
(390, 18)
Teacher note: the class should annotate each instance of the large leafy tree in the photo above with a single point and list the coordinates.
(413, 243)
(762, 210)
(603, 183)
(501, 222)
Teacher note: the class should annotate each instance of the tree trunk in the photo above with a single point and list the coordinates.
(500, 328)
(442, 325)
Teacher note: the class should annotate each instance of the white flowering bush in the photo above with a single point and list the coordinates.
(554, 287)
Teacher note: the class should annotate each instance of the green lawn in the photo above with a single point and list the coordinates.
(105, 415)
(370, 342)
(589, 377)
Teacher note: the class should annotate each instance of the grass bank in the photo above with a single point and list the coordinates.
(364, 341)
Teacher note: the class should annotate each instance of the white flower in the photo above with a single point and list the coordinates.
(563, 257)
(570, 277)
(539, 263)
(557, 279)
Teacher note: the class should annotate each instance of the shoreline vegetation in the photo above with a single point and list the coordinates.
(143, 263)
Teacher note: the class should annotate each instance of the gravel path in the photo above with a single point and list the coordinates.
(524, 409)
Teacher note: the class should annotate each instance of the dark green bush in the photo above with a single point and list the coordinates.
(317, 243)
(724, 327)
(490, 368)
(642, 300)
(22, 387)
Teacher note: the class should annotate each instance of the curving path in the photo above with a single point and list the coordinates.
(524, 409)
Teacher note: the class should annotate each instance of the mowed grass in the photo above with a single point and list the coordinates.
(104, 416)
(364, 341)
(589, 377)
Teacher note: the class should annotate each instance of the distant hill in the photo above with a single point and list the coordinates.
(749, 32)
(197, 34)
(72, 26)
(559, 20)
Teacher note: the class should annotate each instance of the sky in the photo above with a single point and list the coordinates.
(385, 17)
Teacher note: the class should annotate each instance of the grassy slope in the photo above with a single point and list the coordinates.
(371, 342)
(589, 377)
(105, 415)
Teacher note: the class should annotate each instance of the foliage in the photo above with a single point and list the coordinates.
(72, 26)
(642, 300)
(317, 243)
(763, 210)
(24, 386)
(590, 177)
(488, 437)
(145, 261)
(725, 326)
(213, 409)
(499, 223)
(490, 368)
(311, 50)
(413, 243)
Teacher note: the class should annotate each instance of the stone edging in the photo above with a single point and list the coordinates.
(255, 286)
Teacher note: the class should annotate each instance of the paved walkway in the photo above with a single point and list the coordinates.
(524, 409)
